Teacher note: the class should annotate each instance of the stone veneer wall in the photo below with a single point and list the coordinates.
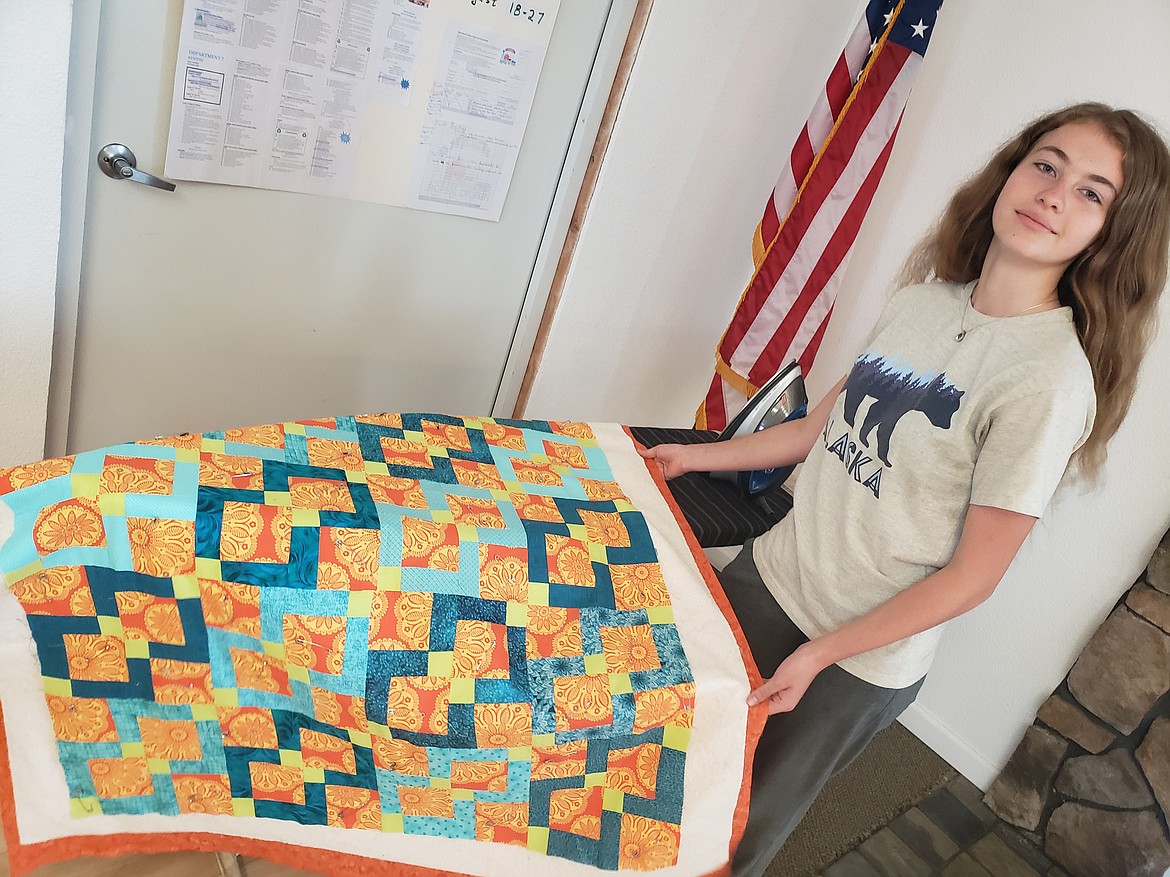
(1090, 782)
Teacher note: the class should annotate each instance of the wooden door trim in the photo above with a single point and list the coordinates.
(527, 353)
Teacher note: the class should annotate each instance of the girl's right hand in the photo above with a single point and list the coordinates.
(671, 459)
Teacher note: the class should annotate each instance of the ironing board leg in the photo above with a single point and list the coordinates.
(229, 865)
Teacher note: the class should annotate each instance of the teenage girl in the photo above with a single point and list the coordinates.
(926, 467)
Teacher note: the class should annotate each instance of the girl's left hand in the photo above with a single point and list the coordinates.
(788, 684)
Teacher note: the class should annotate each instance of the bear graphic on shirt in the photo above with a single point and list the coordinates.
(896, 392)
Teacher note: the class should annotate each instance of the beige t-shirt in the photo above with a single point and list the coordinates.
(925, 426)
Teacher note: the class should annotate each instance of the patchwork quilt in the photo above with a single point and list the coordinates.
(380, 644)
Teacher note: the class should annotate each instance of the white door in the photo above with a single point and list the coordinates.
(216, 306)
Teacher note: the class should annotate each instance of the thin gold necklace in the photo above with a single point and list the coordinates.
(963, 330)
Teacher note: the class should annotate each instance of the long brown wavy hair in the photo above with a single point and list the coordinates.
(1112, 287)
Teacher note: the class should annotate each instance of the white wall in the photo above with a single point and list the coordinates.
(714, 98)
(34, 63)
(713, 104)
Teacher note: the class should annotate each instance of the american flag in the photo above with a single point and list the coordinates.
(803, 241)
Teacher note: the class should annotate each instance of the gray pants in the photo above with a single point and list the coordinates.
(799, 750)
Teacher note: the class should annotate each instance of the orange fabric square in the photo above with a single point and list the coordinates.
(259, 672)
(476, 512)
(323, 494)
(446, 435)
(553, 632)
(137, 475)
(95, 657)
(231, 606)
(392, 419)
(82, 719)
(599, 491)
(503, 725)
(572, 456)
(638, 586)
(145, 616)
(265, 436)
(531, 472)
(536, 508)
(203, 793)
(481, 650)
(340, 710)
(248, 726)
(326, 752)
(605, 528)
(348, 807)
(634, 770)
(69, 524)
(186, 440)
(275, 782)
(171, 740)
(646, 844)
(577, 811)
(401, 621)
(334, 454)
(230, 472)
(571, 428)
(315, 642)
(582, 702)
(503, 573)
(179, 682)
(161, 547)
(629, 649)
(254, 533)
(13, 478)
(559, 761)
(658, 707)
(418, 703)
(347, 558)
(568, 561)
(404, 452)
(421, 801)
(501, 822)
(430, 545)
(480, 475)
(120, 777)
(401, 756)
(483, 776)
(332, 576)
(501, 436)
(405, 492)
(59, 590)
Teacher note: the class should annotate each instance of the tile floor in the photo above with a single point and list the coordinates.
(951, 833)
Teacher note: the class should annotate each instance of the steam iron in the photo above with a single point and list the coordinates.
(781, 399)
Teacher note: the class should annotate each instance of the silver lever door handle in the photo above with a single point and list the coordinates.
(117, 161)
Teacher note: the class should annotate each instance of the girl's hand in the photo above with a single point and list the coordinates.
(671, 459)
(788, 684)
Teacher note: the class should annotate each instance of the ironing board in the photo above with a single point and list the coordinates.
(716, 511)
